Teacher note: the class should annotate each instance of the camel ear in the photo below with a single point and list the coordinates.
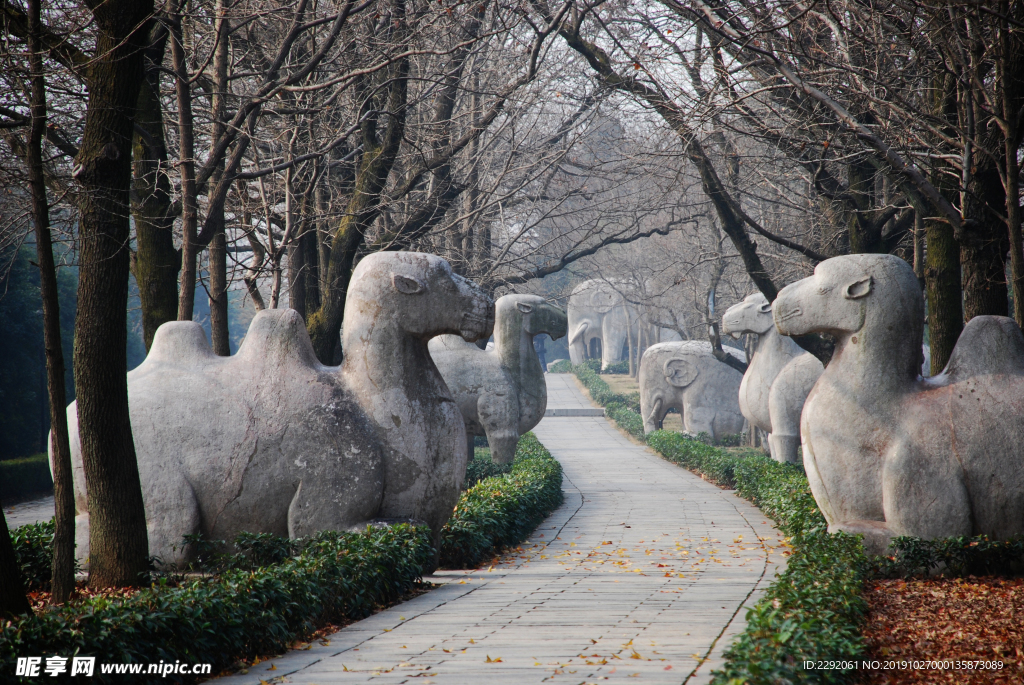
(524, 308)
(680, 372)
(407, 285)
(858, 289)
(766, 308)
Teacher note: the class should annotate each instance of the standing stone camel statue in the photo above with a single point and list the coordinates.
(501, 392)
(778, 379)
(271, 441)
(887, 452)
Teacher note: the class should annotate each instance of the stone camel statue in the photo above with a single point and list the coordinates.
(687, 377)
(501, 392)
(271, 441)
(778, 379)
(886, 452)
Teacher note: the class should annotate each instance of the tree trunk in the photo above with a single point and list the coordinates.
(219, 330)
(118, 541)
(156, 261)
(186, 161)
(380, 149)
(63, 579)
(983, 246)
(13, 601)
(942, 283)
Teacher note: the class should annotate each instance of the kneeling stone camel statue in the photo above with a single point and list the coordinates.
(778, 379)
(271, 441)
(501, 392)
(888, 453)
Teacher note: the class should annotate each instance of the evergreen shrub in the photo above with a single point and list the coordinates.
(20, 478)
(238, 614)
(503, 510)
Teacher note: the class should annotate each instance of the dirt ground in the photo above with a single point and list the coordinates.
(943, 621)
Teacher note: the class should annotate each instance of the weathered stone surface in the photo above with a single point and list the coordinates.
(778, 379)
(687, 377)
(886, 452)
(271, 441)
(501, 391)
(597, 311)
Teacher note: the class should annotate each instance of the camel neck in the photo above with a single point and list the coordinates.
(871, 370)
(514, 347)
(388, 358)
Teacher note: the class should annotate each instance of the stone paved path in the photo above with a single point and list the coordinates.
(643, 575)
(31, 511)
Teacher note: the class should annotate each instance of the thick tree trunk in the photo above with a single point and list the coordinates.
(63, 578)
(942, 284)
(118, 541)
(156, 261)
(983, 246)
(13, 601)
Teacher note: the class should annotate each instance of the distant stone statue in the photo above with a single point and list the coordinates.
(778, 379)
(601, 323)
(685, 376)
(501, 392)
(886, 452)
(271, 441)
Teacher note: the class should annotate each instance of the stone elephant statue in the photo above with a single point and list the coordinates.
(598, 323)
(685, 376)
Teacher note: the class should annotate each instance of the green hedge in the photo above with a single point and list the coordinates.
(561, 366)
(503, 510)
(33, 548)
(814, 609)
(239, 614)
(26, 476)
(481, 467)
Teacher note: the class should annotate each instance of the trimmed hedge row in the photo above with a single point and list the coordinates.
(275, 591)
(26, 476)
(814, 609)
(503, 510)
(239, 614)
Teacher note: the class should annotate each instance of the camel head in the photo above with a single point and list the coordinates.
(850, 293)
(534, 314)
(421, 295)
(752, 315)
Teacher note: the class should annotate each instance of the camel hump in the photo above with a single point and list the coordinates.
(988, 345)
(277, 336)
(180, 342)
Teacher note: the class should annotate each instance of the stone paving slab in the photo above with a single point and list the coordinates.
(643, 575)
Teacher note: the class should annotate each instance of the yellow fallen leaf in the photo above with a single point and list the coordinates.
(273, 667)
(493, 661)
(472, 641)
